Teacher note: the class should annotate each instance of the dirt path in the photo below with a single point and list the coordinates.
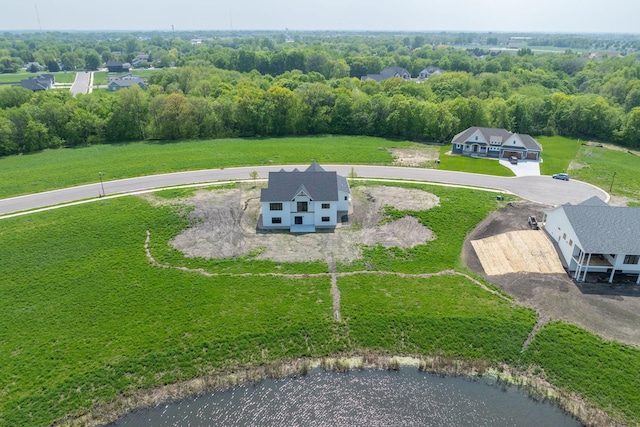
(335, 292)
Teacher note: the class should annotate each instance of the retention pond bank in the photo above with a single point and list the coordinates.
(407, 397)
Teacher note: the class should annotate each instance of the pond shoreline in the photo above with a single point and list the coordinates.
(504, 375)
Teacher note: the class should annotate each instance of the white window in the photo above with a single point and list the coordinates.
(326, 219)
(276, 220)
(326, 205)
(275, 206)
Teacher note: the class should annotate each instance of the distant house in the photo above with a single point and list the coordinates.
(495, 143)
(117, 66)
(593, 237)
(140, 60)
(303, 201)
(388, 73)
(39, 82)
(34, 67)
(428, 72)
(126, 80)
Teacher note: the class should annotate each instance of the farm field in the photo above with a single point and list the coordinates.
(103, 321)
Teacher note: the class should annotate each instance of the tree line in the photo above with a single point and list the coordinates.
(218, 91)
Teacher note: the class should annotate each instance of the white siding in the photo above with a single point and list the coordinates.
(557, 225)
(320, 213)
(343, 201)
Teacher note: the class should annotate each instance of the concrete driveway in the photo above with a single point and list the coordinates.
(523, 168)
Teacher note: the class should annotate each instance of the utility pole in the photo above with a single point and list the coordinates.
(612, 178)
(101, 183)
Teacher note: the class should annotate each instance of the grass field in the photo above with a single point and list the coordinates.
(87, 318)
(598, 164)
(602, 372)
(557, 154)
(54, 169)
(432, 316)
(101, 320)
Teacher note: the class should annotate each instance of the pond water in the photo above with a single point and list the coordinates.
(358, 398)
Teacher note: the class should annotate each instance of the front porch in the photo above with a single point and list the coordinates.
(601, 267)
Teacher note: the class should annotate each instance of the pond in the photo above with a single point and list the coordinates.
(407, 397)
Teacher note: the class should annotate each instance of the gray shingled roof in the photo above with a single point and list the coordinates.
(605, 229)
(318, 184)
(502, 134)
(388, 73)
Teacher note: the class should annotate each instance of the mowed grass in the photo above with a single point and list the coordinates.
(557, 153)
(603, 373)
(470, 164)
(445, 315)
(62, 168)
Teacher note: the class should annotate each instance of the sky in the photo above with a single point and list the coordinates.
(557, 16)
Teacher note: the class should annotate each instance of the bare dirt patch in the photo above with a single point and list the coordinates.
(418, 156)
(612, 312)
(225, 226)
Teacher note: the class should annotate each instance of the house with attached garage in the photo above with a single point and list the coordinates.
(302, 202)
(388, 73)
(128, 80)
(495, 143)
(39, 82)
(593, 237)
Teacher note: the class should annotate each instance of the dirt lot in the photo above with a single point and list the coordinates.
(225, 226)
(611, 311)
(417, 156)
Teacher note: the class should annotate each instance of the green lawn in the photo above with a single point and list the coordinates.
(61, 168)
(470, 164)
(92, 318)
(557, 153)
(61, 77)
(100, 78)
(10, 78)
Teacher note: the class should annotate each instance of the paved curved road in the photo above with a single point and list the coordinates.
(541, 189)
